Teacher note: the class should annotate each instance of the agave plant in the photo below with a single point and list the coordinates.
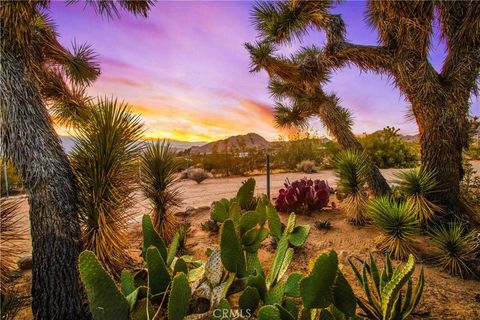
(352, 171)
(104, 161)
(457, 247)
(417, 185)
(11, 231)
(398, 224)
(385, 299)
(302, 196)
(159, 169)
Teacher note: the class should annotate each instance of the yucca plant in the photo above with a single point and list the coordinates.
(159, 169)
(457, 247)
(417, 185)
(12, 230)
(104, 161)
(352, 171)
(397, 223)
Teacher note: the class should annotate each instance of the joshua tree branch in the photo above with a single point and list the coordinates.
(375, 58)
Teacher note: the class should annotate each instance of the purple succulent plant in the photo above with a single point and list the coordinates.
(302, 196)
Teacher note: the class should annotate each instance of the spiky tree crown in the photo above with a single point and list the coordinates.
(405, 32)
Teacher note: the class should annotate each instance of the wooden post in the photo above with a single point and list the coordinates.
(268, 176)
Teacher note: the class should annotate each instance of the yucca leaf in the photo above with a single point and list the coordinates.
(394, 286)
(374, 274)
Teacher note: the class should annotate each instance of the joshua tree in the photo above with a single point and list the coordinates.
(292, 80)
(31, 143)
(439, 100)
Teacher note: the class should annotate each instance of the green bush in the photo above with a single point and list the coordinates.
(388, 150)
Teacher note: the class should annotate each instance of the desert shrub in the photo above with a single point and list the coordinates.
(323, 224)
(303, 196)
(385, 297)
(12, 230)
(470, 185)
(387, 150)
(306, 166)
(416, 185)
(198, 175)
(351, 170)
(103, 158)
(159, 173)
(299, 147)
(397, 223)
(13, 179)
(457, 247)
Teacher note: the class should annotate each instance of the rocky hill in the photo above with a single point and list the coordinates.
(250, 140)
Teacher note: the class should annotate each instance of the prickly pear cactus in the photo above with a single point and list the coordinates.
(152, 238)
(231, 251)
(216, 280)
(179, 299)
(105, 301)
(245, 194)
(315, 289)
(158, 274)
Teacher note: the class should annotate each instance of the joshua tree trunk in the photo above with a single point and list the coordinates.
(442, 141)
(332, 116)
(29, 140)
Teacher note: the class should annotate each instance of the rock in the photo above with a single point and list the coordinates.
(25, 262)
(189, 211)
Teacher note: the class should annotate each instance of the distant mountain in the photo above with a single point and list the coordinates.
(250, 140)
(182, 145)
(410, 138)
(68, 143)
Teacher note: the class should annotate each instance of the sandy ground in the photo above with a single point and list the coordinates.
(445, 297)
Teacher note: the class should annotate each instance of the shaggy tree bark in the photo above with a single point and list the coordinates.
(329, 113)
(29, 140)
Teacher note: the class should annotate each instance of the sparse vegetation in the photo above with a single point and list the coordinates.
(456, 248)
(397, 223)
(351, 170)
(159, 169)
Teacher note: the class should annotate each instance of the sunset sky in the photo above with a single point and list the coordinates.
(185, 70)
